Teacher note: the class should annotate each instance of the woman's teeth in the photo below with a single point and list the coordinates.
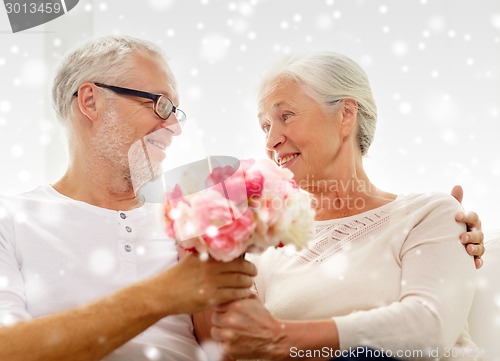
(283, 161)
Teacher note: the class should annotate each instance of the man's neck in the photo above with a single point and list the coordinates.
(114, 194)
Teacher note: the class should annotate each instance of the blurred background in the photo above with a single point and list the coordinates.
(434, 67)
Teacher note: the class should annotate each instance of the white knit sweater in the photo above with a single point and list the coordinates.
(395, 278)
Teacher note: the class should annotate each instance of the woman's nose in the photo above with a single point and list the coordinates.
(275, 138)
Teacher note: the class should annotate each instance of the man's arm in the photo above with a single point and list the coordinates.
(93, 331)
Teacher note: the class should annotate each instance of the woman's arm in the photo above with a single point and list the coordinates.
(246, 329)
(437, 285)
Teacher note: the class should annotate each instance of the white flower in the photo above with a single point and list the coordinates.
(296, 224)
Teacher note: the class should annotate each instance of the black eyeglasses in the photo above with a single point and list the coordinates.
(163, 105)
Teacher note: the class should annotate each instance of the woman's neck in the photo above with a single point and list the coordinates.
(348, 193)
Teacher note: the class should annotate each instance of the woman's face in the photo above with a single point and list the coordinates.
(301, 135)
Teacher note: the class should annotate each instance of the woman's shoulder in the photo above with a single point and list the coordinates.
(430, 200)
(432, 209)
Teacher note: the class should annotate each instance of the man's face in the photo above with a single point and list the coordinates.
(131, 137)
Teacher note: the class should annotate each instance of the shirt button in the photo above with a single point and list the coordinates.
(128, 229)
(123, 215)
(128, 248)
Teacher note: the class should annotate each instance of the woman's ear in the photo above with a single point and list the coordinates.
(87, 100)
(349, 117)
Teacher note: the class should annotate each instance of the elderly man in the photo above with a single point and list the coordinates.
(84, 264)
(85, 269)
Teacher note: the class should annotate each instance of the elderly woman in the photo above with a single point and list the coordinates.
(384, 271)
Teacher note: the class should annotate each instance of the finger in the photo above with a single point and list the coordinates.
(234, 280)
(478, 261)
(475, 250)
(225, 295)
(222, 308)
(219, 314)
(240, 266)
(460, 217)
(471, 219)
(217, 319)
(226, 350)
(221, 334)
(473, 237)
(458, 193)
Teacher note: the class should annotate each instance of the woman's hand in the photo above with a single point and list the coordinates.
(246, 329)
(474, 238)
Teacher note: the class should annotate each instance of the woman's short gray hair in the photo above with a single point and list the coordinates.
(103, 60)
(328, 77)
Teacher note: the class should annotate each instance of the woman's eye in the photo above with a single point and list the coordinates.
(266, 128)
(287, 116)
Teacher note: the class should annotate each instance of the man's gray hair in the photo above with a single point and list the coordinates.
(106, 60)
(328, 77)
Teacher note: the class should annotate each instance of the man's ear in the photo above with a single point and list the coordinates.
(349, 117)
(87, 100)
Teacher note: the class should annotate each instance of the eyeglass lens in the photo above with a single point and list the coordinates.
(164, 107)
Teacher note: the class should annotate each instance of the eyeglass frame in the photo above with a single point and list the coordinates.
(146, 95)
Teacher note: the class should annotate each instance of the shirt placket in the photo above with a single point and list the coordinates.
(127, 246)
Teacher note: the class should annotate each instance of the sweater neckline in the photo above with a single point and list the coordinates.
(371, 212)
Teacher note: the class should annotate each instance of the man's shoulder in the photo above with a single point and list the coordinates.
(39, 193)
(25, 202)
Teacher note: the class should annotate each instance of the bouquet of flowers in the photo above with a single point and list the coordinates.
(241, 209)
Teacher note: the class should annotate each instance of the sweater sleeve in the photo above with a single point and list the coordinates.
(437, 288)
(12, 297)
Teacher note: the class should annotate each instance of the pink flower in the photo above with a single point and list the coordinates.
(254, 184)
(180, 221)
(213, 210)
(224, 228)
(219, 174)
(231, 241)
(243, 210)
(229, 182)
(175, 196)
